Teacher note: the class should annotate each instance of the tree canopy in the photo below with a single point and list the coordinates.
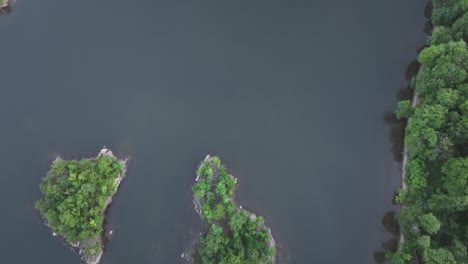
(434, 218)
(232, 235)
(75, 193)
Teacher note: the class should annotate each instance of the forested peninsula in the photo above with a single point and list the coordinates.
(434, 198)
(75, 196)
(231, 234)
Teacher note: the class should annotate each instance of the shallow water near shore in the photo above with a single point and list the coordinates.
(294, 96)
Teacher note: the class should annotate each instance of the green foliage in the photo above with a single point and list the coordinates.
(459, 251)
(464, 108)
(232, 235)
(408, 219)
(75, 193)
(429, 223)
(432, 116)
(445, 65)
(455, 178)
(420, 139)
(459, 29)
(404, 109)
(430, 55)
(399, 257)
(416, 178)
(438, 256)
(425, 83)
(434, 218)
(448, 98)
(444, 16)
(440, 35)
(423, 242)
(448, 72)
(447, 11)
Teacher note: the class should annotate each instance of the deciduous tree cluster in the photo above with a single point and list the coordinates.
(75, 193)
(232, 235)
(434, 218)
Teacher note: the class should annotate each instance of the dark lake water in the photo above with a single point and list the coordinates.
(295, 96)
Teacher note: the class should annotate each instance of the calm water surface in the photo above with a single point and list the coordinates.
(293, 95)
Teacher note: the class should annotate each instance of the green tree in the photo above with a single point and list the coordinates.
(437, 139)
(456, 176)
(408, 217)
(459, 29)
(232, 235)
(430, 55)
(417, 178)
(404, 109)
(426, 83)
(438, 256)
(448, 72)
(448, 98)
(459, 251)
(440, 35)
(464, 108)
(420, 139)
(446, 11)
(445, 148)
(399, 257)
(423, 243)
(429, 223)
(74, 198)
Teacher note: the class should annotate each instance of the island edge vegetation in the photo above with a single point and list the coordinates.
(231, 234)
(75, 195)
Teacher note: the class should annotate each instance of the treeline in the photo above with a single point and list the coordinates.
(434, 215)
(75, 193)
(232, 235)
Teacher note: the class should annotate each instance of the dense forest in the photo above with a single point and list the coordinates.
(434, 214)
(232, 235)
(75, 194)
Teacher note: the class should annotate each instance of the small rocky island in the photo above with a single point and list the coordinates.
(4, 4)
(231, 234)
(76, 195)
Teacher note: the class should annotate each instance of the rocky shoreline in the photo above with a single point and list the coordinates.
(93, 258)
(404, 186)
